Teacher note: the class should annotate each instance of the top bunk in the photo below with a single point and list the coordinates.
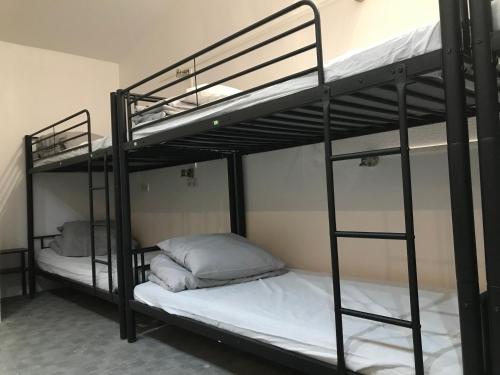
(210, 120)
(67, 146)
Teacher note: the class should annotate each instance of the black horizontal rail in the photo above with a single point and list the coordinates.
(364, 154)
(228, 78)
(231, 37)
(59, 132)
(227, 59)
(100, 261)
(83, 111)
(377, 318)
(260, 87)
(55, 145)
(371, 235)
(149, 249)
(58, 128)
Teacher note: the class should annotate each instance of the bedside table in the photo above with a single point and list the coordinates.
(22, 269)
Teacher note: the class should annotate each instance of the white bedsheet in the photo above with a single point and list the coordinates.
(295, 312)
(97, 144)
(404, 46)
(79, 268)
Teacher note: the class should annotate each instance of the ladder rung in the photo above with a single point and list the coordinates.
(377, 318)
(100, 261)
(364, 154)
(98, 188)
(98, 224)
(373, 235)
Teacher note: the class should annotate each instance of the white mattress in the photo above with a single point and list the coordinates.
(79, 268)
(295, 312)
(98, 144)
(404, 46)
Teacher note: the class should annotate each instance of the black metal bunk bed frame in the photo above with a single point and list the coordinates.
(392, 97)
(88, 161)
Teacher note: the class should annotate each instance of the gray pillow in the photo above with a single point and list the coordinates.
(173, 277)
(220, 256)
(75, 239)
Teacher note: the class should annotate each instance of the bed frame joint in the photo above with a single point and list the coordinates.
(400, 74)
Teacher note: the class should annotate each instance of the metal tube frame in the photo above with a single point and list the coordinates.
(118, 221)
(461, 188)
(488, 131)
(236, 194)
(59, 128)
(122, 200)
(30, 216)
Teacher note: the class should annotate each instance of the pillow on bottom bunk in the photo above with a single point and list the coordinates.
(175, 278)
(74, 240)
(220, 256)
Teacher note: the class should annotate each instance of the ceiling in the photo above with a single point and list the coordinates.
(101, 29)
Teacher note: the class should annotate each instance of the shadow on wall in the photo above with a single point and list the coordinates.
(13, 202)
(62, 197)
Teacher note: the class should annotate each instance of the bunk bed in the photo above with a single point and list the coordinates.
(358, 94)
(64, 147)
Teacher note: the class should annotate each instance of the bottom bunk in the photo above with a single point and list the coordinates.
(78, 270)
(294, 313)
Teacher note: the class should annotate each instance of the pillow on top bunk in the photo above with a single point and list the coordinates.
(49, 145)
(210, 95)
(74, 240)
(220, 256)
(175, 278)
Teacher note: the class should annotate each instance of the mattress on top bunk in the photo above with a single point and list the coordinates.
(79, 268)
(404, 46)
(98, 144)
(295, 312)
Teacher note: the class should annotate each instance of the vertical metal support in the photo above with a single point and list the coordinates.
(29, 216)
(488, 130)
(236, 194)
(332, 221)
(108, 222)
(401, 83)
(126, 227)
(118, 223)
(91, 219)
(486, 334)
(461, 189)
(23, 272)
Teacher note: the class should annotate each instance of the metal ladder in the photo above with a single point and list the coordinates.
(408, 236)
(94, 224)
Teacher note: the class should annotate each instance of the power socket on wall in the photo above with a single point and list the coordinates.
(188, 173)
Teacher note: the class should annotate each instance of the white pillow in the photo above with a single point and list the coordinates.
(209, 95)
(220, 256)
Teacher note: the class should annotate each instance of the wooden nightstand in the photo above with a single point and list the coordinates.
(22, 269)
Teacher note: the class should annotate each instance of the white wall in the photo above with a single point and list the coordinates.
(285, 190)
(40, 87)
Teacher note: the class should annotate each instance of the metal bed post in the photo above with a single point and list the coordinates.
(118, 223)
(332, 221)
(121, 133)
(488, 130)
(29, 216)
(236, 194)
(108, 222)
(461, 189)
(91, 219)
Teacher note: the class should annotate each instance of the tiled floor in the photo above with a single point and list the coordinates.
(66, 332)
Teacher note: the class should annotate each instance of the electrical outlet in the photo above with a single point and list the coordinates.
(187, 172)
